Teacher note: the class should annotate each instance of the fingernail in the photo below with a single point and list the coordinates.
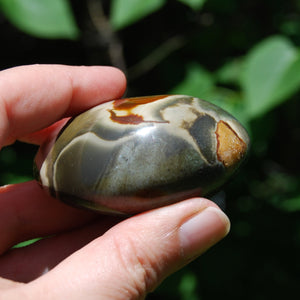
(202, 231)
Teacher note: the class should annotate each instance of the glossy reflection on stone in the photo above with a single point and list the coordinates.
(131, 155)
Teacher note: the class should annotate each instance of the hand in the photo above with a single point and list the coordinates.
(86, 255)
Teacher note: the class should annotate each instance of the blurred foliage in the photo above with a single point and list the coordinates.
(26, 243)
(124, 13)
(241, 55)
(41, 18)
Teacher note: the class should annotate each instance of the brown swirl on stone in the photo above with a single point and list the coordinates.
(128, 119)
(130, 103)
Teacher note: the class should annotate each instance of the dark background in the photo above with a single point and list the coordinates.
(260, 257)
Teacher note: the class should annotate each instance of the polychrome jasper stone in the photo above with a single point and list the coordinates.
(135, 154)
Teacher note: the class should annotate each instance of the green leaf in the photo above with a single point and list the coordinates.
(126, 12)
(26, 243)
(230, 73)
(291, 205)
(12, 178)
(230, 101)
(198, 82)
(289, 83)
(194, 4)
(271, 73)
(188, 286)
(41, 18)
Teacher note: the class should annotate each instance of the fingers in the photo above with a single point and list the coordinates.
(133, 257)
(26, 212)
(28, 263)
(34, 97)
(31, 98)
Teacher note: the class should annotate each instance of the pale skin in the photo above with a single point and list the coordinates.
(86, 255)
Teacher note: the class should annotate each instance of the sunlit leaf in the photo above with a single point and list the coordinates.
(271, 74)
(194, 4)
(198, 82)
(126, 12)
(41, 18)
(230, 73)
(230, 101)
(26, 243)
(289, 82)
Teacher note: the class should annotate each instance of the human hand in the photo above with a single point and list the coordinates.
(86, 255)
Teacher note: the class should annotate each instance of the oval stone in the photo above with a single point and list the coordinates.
(135, 154)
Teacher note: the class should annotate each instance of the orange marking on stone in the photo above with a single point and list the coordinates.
(129, 119)
(230, 147)
(127, 105)
(130, 103)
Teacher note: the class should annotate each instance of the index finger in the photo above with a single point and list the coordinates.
(34, 97)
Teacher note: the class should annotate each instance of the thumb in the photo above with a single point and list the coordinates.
(133, 257)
